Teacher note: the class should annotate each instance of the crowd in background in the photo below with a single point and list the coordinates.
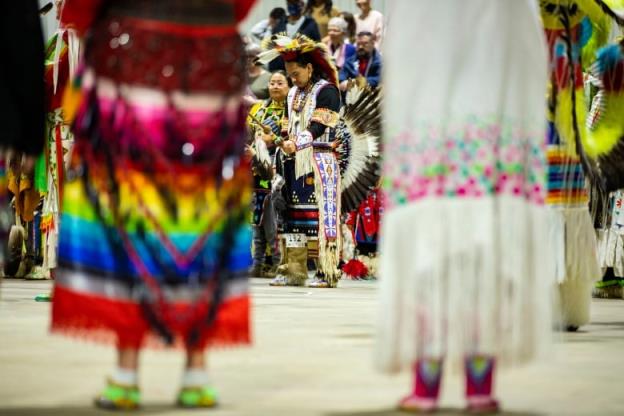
(354, 40)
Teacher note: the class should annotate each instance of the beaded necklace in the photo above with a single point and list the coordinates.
(301, 97)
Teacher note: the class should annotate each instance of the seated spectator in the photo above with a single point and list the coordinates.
(264, 28)
(369, 20)
(321, 11)
(351, 26)
(365, 63)
(257, 77)
(339, 47)
(296, 22)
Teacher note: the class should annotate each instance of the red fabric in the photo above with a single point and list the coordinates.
(427, 377)
(363, 66)
(301, 215)
(479, 381)
(319, 59)
(60, 164)
(367, 217)
(613, 79)
(122, 322)
(179, 29)
(325, 66)
(157, 58)
(80, 14)
(350, 218)
(369, 214)
(242, 8)
(560, 71)
(355, 269)
(350, 222)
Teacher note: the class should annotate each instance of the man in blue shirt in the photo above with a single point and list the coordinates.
(365, 63)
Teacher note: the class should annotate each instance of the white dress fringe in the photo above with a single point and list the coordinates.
(481, 282)
(465, 271)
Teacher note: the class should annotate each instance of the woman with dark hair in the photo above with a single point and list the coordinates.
(265, 124)
(321, 11)
(277, 15)
(264, 28)
(257, 77)
(307, 162)
(296, 23)
(351, 26)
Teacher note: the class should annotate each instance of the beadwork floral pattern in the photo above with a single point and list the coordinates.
(471, 158)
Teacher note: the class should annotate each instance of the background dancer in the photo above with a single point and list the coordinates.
(465, 265)
(154, 242)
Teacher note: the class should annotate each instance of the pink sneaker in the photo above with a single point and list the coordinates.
(415, 404)
(483, 405)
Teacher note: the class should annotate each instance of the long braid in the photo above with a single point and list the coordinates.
(588, 167)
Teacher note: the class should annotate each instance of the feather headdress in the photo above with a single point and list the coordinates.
(289, 49)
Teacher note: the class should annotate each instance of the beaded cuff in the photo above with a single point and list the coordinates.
(304, 140)
(325, 117)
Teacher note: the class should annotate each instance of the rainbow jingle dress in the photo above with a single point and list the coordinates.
(154, 242)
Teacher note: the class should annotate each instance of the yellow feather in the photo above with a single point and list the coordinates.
(610, 128)
(552, 20)
(253, 111)
(72, 97)
(564, 122)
